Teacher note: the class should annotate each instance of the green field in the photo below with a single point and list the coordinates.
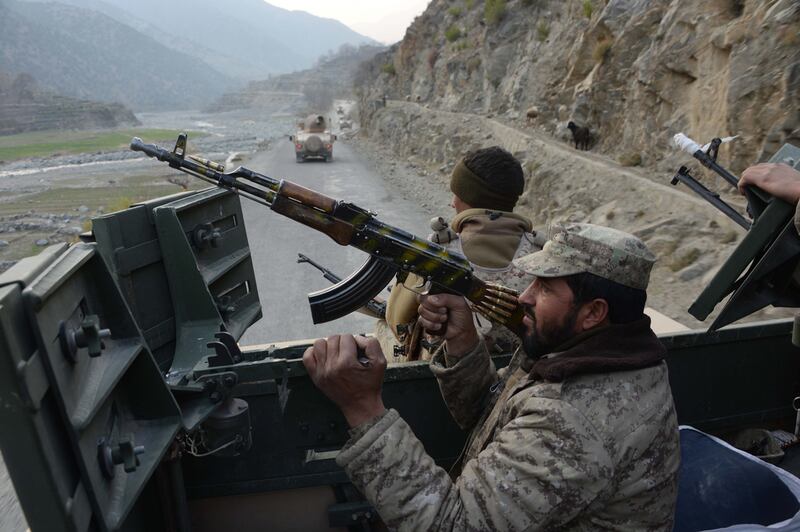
(98, 199)
(111, 197)
(48, 143)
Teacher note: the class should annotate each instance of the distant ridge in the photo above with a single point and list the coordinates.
(25, 107)
(331, 77)
(84, 54)
(244, 39)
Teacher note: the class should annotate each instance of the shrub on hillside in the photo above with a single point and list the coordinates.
(542, 31)
(630, 159)
(588, 8)
(455, 11)
(601, 49)
(388, 68)
(453, 33)
(473, 64)
(494, 11)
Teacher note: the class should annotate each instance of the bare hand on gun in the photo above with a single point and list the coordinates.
(780, 180)
(349, 371)
(437, 310)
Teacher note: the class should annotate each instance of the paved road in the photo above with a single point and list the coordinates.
(275, 241)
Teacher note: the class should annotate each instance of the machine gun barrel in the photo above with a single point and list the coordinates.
(713, 198)
(392, 250)
(757, 199)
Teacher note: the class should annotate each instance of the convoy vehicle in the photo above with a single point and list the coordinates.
(127, 404)
(313, 139)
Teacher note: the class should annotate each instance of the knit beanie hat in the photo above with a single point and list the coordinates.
(478, 193)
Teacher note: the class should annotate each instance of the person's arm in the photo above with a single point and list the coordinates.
(465, 383)
(543, 468)
(462, 366)
(780, 180)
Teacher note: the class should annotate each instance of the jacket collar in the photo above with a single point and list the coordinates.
(608, 349)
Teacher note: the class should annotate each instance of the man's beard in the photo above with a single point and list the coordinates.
(535, 343)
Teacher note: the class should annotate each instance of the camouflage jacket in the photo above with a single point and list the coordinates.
(596, 451)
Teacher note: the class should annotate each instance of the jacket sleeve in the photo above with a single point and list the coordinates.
(543, 468)
(465, 383)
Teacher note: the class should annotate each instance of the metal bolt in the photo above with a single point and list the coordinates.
(125, 452)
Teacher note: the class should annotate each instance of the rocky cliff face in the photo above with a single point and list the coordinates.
(634, 71)
(468, 73)
(25, 107)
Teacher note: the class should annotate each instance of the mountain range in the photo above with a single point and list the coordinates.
(158, 55)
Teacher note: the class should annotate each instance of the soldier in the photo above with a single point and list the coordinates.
(486, 184)
(582, 435)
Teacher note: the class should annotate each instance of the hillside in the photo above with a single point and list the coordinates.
(634, 71)
(25, 107)
(331, 77)
(84, 54)
(243, 39)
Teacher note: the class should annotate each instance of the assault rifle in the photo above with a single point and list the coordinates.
(392, 251)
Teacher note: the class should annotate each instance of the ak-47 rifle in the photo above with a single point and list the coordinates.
(392, 251)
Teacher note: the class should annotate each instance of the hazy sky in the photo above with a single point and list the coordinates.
(383, 20)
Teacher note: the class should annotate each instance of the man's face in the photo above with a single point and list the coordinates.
(550, 315)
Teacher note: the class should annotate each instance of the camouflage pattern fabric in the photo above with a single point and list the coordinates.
(592, 452)
(605, 252)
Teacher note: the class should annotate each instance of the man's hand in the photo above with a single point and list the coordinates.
(355, 386)
(780, 180)
(460, 336)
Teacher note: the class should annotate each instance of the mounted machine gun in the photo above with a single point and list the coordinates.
(769, 253)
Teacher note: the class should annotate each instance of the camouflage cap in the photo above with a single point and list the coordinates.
(587, 248)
